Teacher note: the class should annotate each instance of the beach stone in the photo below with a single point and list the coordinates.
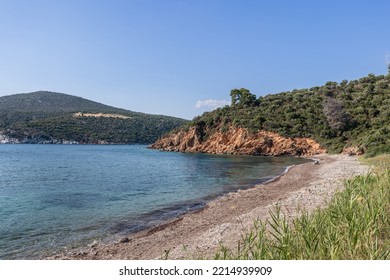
(124, 240)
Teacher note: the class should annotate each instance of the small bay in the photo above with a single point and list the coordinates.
(58, 197)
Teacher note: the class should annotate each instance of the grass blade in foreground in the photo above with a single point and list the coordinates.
(355, 225)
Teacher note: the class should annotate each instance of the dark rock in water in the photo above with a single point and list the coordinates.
(124, 240)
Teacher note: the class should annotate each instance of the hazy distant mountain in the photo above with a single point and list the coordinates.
(49, 117)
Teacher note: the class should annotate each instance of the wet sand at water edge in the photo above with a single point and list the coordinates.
(224, 220)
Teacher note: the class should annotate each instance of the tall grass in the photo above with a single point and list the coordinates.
(355, 225)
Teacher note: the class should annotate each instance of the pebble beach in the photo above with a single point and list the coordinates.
(198, 235)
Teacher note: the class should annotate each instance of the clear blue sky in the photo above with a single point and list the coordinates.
(164, 57)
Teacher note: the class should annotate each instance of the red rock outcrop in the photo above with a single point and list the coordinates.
(353, 151)
(237, 141)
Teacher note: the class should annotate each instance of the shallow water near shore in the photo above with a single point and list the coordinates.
(58, 197)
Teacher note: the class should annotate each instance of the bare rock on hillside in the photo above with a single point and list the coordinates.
(238, 141)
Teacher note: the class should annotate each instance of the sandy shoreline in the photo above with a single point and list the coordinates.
(224, 220)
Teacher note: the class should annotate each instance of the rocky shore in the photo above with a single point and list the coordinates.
(224, 220)
(237, 141)
(4, 139)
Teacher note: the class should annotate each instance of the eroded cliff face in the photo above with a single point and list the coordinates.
(237, 141)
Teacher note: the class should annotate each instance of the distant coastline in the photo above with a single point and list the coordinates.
(4, 139)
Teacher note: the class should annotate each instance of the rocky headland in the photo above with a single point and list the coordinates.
(237, 141)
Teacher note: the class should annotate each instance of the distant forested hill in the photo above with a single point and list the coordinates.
(350, 115)
(49, 117)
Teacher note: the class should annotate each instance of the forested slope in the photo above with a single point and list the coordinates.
(353, 116)
(48, 117)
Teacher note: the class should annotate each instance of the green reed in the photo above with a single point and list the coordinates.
(354, 225)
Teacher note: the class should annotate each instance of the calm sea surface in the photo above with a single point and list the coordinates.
(58, 197)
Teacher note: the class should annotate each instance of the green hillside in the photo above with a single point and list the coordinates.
(46, 117)
(338, 115)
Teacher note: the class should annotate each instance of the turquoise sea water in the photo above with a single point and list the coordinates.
(58, 197)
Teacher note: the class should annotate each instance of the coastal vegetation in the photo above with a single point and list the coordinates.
(351, 116)
(354, 225)
(379, 163)
(48, 117)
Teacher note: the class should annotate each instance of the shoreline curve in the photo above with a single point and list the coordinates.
(223, 220)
